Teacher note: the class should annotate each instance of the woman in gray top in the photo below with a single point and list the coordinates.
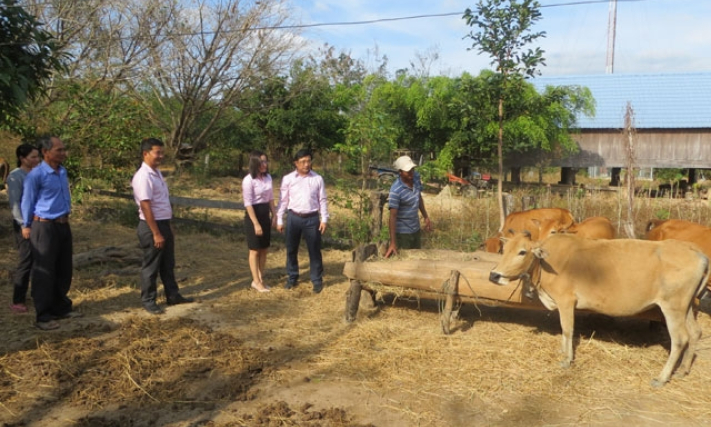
(27, 158)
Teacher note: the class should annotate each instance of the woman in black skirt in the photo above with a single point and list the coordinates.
(258, 222)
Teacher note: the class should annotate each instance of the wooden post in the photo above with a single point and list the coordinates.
(528, 202)
(451, 288)
(360, 254)
(378, 199)
(353, 300)
(508, 205)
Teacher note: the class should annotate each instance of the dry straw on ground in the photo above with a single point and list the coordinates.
(287, 358)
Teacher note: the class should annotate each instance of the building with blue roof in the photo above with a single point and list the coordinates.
(671, 117)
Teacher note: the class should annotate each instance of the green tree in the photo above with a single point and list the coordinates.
(29, 56)
(296, 111)
(504, 32)
(102, 129)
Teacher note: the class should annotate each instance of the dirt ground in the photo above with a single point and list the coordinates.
(287, 358)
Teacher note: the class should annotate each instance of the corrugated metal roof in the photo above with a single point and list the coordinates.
(664, 101)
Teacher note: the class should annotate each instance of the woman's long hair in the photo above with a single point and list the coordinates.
(255, 162)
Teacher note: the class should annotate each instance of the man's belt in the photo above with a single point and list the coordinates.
(304, 215)
(61, 220)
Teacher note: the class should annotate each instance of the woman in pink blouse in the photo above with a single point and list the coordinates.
(259, 203)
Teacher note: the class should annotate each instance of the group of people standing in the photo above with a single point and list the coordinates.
(41, 204)
(303, 200)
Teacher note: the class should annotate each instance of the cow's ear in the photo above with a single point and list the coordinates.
(540, 253)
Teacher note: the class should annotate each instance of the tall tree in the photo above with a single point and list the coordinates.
(504, 32)
(29, 55)
(185, 61)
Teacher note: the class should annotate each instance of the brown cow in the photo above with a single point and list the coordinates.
(596, 227)
(530, 221)
(621, 277)
(681, 230)
(4, 172)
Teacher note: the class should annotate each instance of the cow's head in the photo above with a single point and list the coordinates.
(493, 244)
(519, 254)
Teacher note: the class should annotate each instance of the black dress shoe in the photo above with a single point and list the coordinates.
(179, 299)
(153, 309)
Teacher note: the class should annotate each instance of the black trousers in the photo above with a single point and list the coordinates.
(296, 227)
(157, 261)
(21, 278)
(51, 269)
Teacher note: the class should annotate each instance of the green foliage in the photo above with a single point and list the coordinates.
(29, 56)
(504, 32)
(663, 214)
(349, 196)
(102, 130)
(297, 111)
(669, 174)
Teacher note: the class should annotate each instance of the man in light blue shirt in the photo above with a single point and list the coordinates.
(45, 206)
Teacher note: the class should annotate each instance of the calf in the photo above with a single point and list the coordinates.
(530, 221)
(596, 227)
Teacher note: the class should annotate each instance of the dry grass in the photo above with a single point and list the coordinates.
(239, 358)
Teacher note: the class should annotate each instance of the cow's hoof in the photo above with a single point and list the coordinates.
(565, 364)
(656, 383)
(681, 373)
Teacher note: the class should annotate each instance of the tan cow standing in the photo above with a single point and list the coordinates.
(620, 277)
(530, 221)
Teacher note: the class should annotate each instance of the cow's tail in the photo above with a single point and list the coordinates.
(653, 223)
(703, 289)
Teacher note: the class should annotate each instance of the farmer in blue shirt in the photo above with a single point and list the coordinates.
(405, 200)
(45, 207)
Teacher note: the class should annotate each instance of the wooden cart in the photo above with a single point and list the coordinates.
(452, 276)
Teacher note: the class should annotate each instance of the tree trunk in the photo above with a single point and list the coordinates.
(500, 153)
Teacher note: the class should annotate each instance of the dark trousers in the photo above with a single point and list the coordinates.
(157, 261)
(21, 278)
(51, 269)
(409, 240)
(308, 228)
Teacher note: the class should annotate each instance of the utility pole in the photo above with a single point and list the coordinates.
(611, 27)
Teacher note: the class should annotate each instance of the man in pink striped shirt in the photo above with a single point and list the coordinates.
(303, 196)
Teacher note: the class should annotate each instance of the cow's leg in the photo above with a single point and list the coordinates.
(694, 336)
(567, 324)
(676, 324)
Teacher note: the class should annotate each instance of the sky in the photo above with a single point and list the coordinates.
(652, 36)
